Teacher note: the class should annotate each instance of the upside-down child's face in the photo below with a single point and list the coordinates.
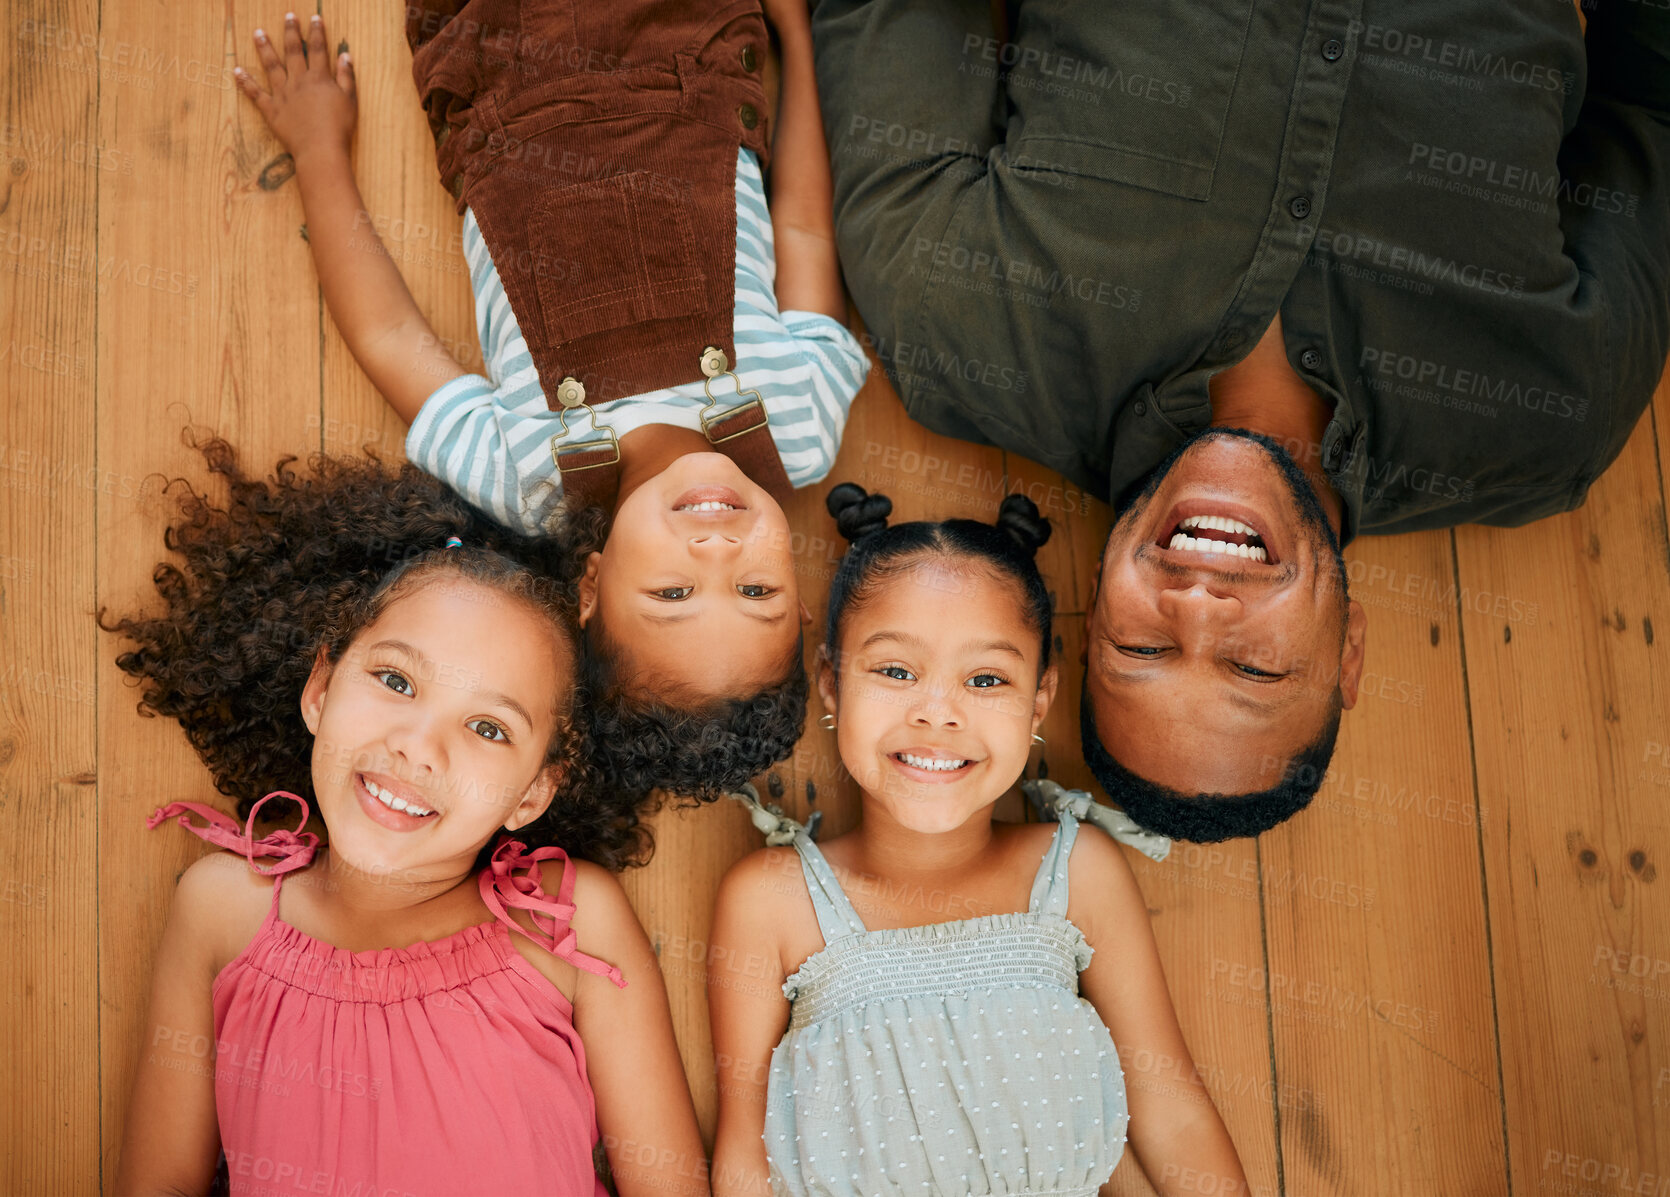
(444, 706)
(696, 584)
(936, 693)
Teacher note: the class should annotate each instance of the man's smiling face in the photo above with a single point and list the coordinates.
(1220, 629)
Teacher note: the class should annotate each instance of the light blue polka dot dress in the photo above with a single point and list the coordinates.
(956, 1058)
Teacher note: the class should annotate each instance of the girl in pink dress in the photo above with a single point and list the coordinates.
(443, 1001)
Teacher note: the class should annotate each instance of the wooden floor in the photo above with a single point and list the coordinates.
(1451, 976)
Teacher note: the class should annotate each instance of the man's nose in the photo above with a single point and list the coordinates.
(1200, 607)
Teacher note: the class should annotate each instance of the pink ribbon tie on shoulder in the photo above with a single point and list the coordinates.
(502, 886)
(294, 849)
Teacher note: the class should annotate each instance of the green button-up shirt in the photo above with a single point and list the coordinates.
(1460, 210)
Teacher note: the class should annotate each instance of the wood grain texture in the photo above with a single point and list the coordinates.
(225, 340)
(1570, 709)
(50, 161)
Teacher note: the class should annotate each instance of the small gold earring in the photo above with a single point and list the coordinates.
(1037, 739)
(827, 722)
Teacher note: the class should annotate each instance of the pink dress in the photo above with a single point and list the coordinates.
(440, 1069)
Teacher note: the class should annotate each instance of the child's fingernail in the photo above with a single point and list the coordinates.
(260, 35)
(314, 20)
(289, 18)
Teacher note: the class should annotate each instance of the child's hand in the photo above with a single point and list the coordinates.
(313, 103)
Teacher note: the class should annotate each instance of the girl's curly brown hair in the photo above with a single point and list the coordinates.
(295, 563)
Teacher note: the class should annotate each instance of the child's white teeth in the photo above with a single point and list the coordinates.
(707, 505)
(931, 764)
(389, 800)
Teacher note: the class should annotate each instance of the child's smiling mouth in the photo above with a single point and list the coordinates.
(931, 765)
(387, 808)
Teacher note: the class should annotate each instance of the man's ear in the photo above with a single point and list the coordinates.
(1354, 653)
(827, 681)
(313, 694)
(1045, 697)
(588, 587)
(536, 799)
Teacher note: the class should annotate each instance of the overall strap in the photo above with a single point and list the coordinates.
(590, 469)
(836, 916)
(502, 886)
(1049, 887)
(294, 849)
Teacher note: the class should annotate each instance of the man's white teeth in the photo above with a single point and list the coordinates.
(931, 764)
(707, 505)
(1192, 544)
(1220, 523)
(388, 799)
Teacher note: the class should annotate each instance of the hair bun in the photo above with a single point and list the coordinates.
(857, 512)
(1019, 517)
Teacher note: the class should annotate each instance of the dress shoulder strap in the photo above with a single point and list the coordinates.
(512, 879)
(836, 916)
(1049, 886)
(293, 849)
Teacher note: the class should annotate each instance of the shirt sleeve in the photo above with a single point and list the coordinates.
(471, 436)
(836, 369)
(1615, 197)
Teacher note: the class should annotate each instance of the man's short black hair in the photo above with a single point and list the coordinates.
(1209, 818)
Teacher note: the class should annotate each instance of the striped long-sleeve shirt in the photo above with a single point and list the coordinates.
(491, 438)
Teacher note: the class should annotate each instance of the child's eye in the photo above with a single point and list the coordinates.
(398, 683)
(673, 594)
(755, 591)
(488, 730)
(897, 673)
(987, 681)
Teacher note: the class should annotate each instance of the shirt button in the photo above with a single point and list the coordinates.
(1311, 360)
(748, 115)
(1331, 456)
(1332, 49)
(751, 59)
(1141, 408)
(1299, 205)
(1232, 340)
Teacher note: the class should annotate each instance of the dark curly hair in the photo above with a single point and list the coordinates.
(641, 743)
(298, 563)
(877, 551)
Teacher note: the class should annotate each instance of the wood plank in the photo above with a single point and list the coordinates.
(228, 342)
(413, 216)
(1376, 972)
(1570, 716)
(53, 157)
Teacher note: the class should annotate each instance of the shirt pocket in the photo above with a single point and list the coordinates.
(1138, 94)
(618, 252)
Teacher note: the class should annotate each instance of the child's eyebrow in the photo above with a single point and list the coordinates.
(913, 641)
(491, 696)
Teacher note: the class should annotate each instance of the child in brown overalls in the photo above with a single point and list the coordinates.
(666, 356)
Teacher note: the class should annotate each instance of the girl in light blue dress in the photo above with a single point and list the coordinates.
(934, 1003)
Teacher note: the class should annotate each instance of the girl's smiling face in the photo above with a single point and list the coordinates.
(936, 692)
(431, 731)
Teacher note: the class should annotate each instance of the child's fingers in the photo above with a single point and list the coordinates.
(271, 64)
(345, 77)
(295, 61)
(246, 84)
(318, 55)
